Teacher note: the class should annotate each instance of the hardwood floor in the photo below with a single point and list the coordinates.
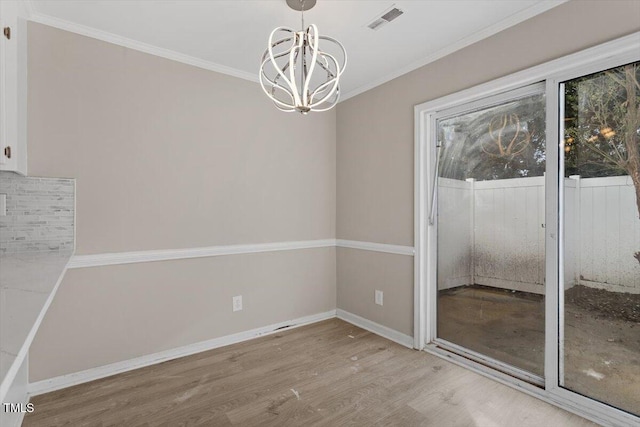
(330, 373)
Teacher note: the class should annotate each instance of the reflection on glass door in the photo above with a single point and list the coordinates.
(600, 304)
(490, 232)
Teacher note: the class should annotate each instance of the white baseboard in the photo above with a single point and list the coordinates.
(376, 328)
(64, 381)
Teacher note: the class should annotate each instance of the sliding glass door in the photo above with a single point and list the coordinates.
(528, 230)
(600, 297)
(489, 213)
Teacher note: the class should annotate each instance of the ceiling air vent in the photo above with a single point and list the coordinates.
(387, 17)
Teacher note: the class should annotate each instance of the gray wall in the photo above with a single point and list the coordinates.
(375, 142)
(101, 315)
(168, 156)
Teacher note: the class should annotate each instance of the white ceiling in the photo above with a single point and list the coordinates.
(230, 35)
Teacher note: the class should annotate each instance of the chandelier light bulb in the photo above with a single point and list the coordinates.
(300, 70)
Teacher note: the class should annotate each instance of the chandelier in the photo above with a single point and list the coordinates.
(296, 72)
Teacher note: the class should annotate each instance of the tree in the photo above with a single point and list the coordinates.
(602, 125)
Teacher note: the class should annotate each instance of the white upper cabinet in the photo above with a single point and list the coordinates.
(13, 87)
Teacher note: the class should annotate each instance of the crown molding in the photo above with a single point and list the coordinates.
(35, 16)
(105, 36)
(484, 33)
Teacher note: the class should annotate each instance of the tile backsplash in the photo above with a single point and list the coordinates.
(40, 214)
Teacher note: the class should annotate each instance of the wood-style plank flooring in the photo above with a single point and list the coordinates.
(330, 373)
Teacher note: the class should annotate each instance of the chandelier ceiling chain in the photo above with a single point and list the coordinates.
(294, 56)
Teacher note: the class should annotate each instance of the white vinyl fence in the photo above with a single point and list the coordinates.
(492, 233)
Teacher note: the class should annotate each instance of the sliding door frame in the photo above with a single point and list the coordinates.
(555, 304)
(480, 104)
(608, 55)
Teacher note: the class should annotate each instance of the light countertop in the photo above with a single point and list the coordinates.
(28, 282)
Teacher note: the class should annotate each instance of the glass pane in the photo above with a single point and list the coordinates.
(602, 237)
(491, 263)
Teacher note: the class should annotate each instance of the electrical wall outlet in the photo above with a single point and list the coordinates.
(237, 303)
(379, 297)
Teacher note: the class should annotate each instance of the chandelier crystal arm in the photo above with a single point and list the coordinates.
(313, 42)
(333, 83)
(326, 97)
(272, 57)
(299, 83)
(276, 44)
(279, 104)
(325, 67)
(293, 55)
(344, 52)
